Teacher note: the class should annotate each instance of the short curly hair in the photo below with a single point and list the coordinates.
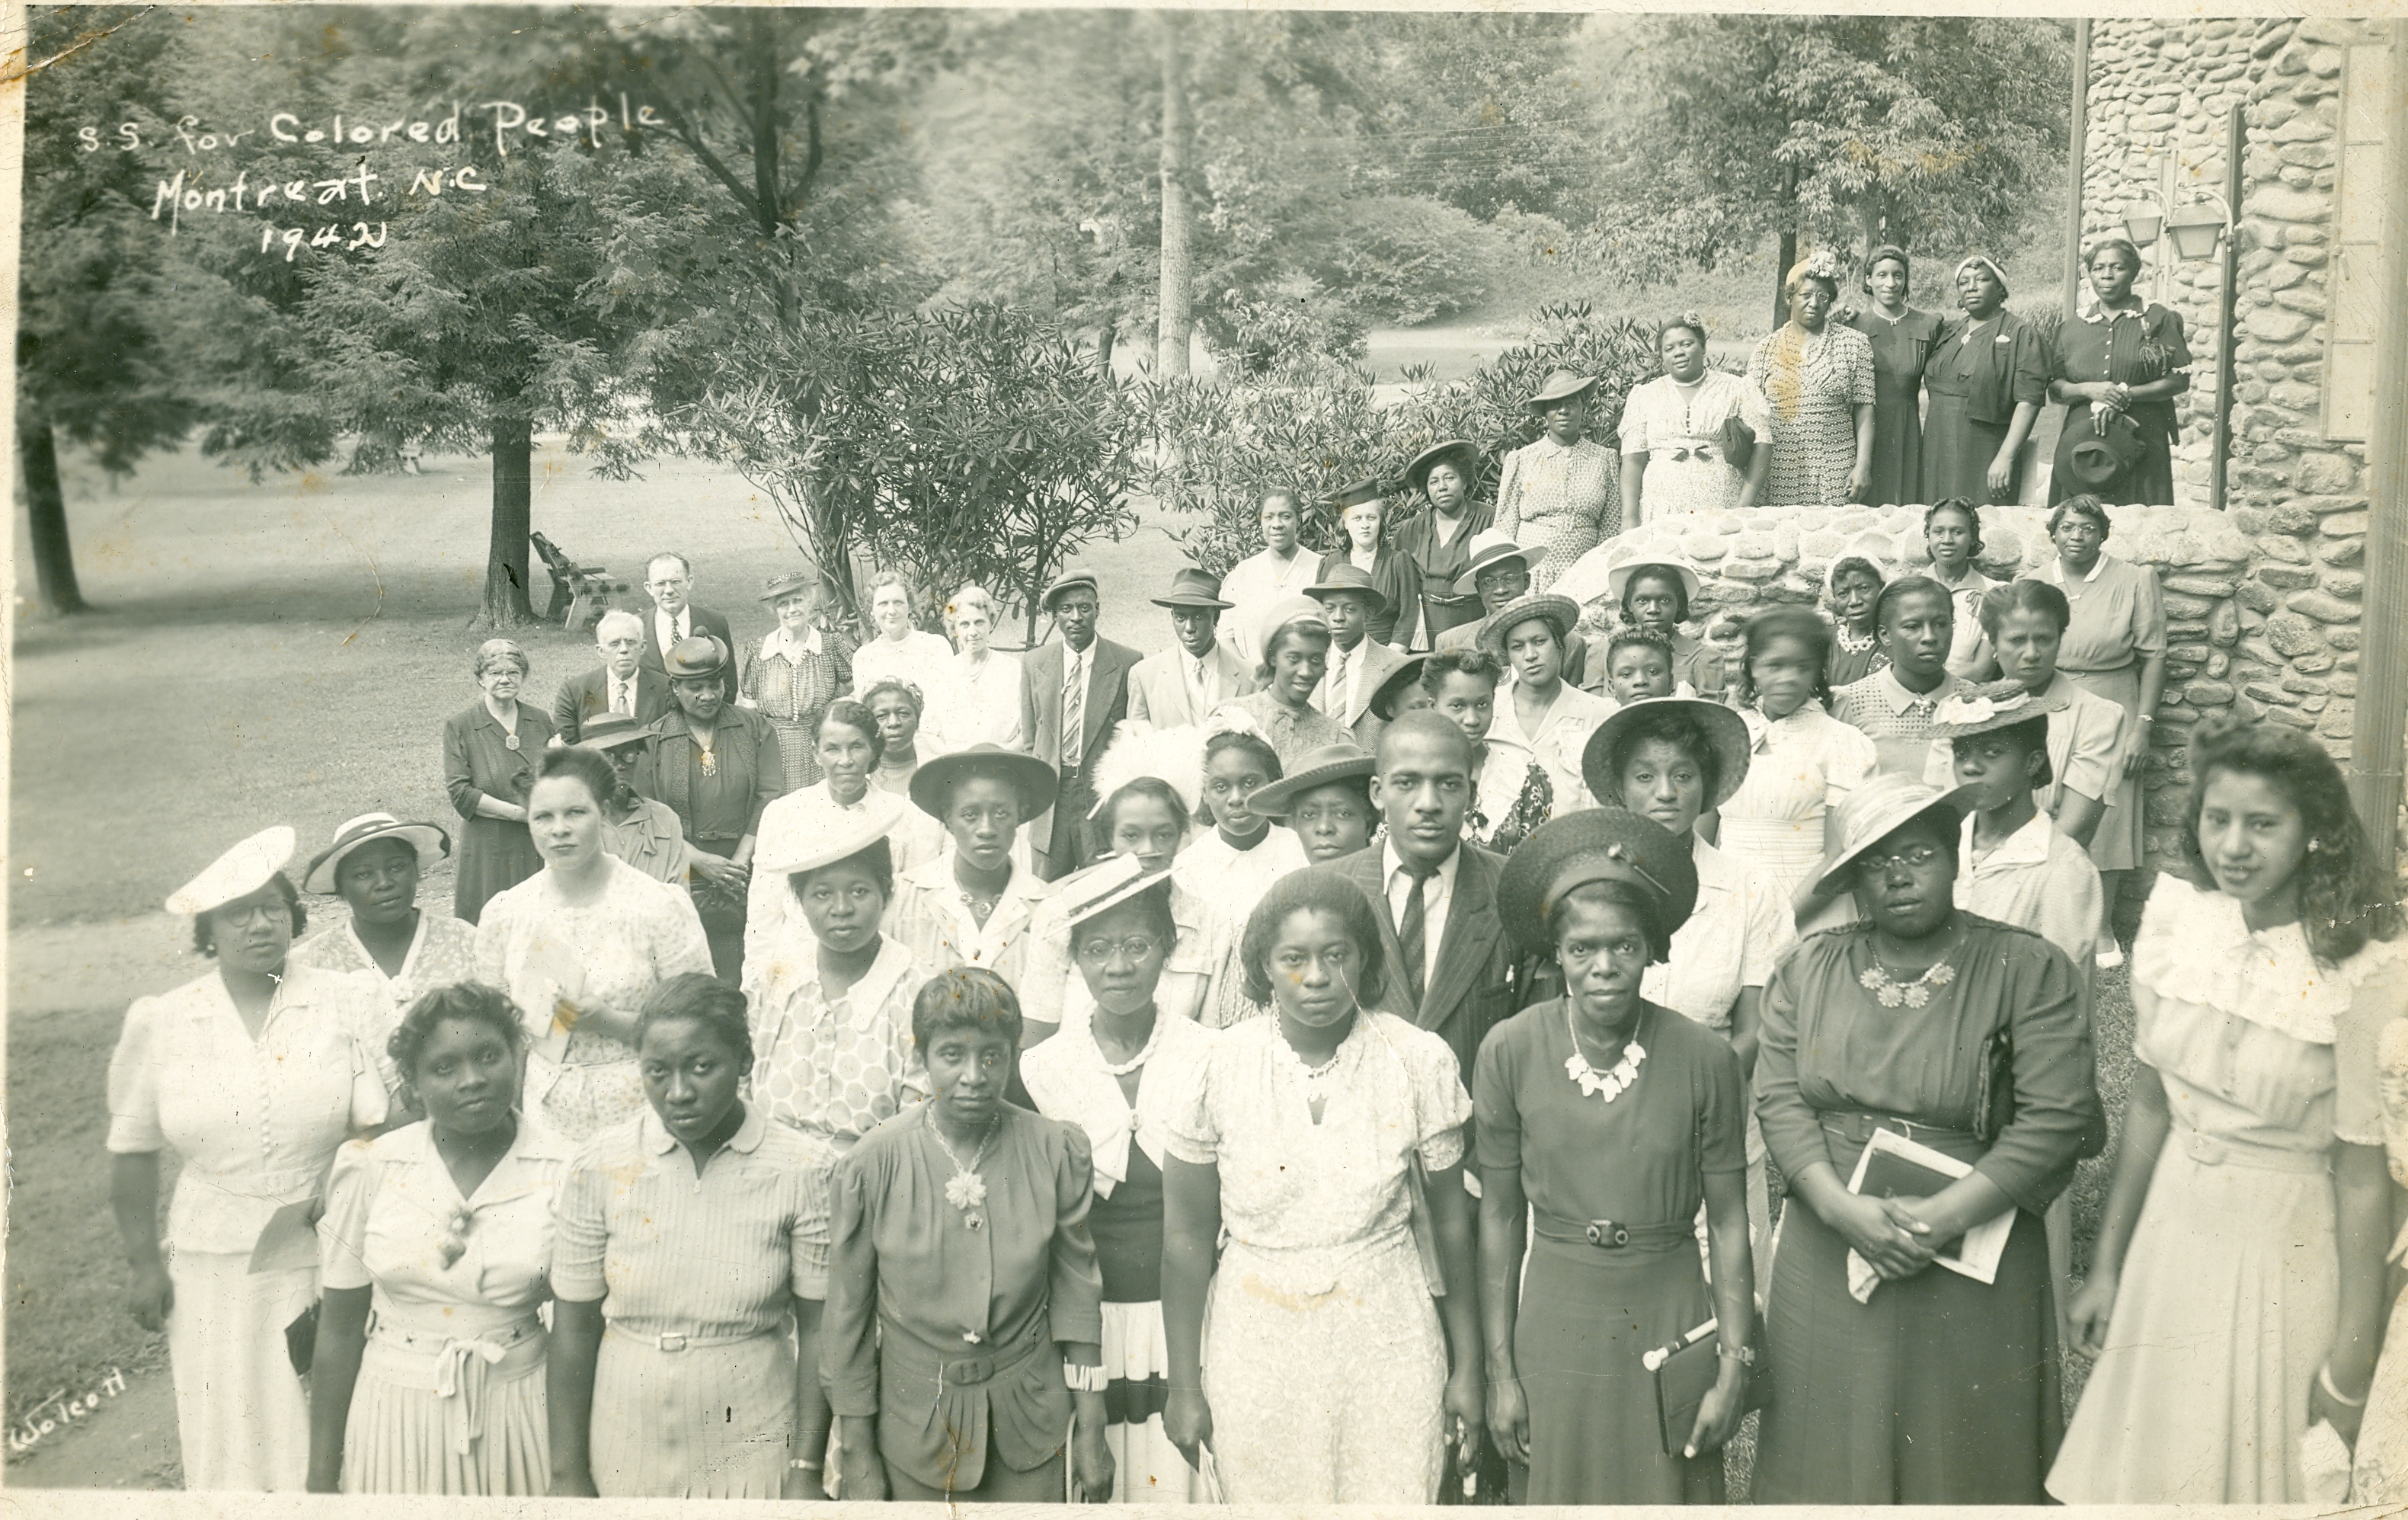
(204, 937)
(855, 716)
(2086, 506)
(470, 1002)
(700, 998)
(964, 998)
(1320, 890)
(1956, 504)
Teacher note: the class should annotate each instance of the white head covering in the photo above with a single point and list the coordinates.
(239, 872)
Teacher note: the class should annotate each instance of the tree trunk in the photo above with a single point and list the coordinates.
(1788, 255)
(46, 516)
(1104, 349)
(506, 558)
(1173, 319)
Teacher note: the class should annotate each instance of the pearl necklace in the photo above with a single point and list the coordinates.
(1122, 1068)
(966, 1189)
(1612, 1084)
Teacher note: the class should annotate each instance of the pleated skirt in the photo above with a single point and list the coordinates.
(1147, 1467)
(406, 1437)
(1587, 1317)
(707, 1422)
(1940, 1390)
(242, 1413)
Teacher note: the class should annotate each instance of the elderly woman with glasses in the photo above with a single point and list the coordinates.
(489, 752)
(1896, 1380)
(1818, 380)
(1677, 433)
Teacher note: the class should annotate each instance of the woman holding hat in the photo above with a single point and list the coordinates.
(1122, 1074)
(717, 766)
(1541, 712)
(1672, 760)
(972, 905)
(580, 946)
(791, 675)
(2237, 1294)
(1677, 431)
(1818, 381)
(488, 764)
(428, 1376)
(1903, 339)
(1559, 491)
(1804, 762)
(254, 1075)
(2118, 366)
(1296, 642)
(638, 829)
(1896, 1381)
(373, 866)
(1987, 376)
(1613, 1272)
(1439, 540)
(1362, 512)
(1327, 1140)
(832, 1052)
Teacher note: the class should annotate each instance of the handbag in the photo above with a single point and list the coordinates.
(1994, 1097)
(1738, 442)
(301, 1338)
(1686, 1371)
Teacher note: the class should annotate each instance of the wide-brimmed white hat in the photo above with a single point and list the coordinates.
(833, 835)
(1883, 805)
(239, 872)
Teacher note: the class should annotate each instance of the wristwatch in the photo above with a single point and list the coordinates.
(1745, 1355)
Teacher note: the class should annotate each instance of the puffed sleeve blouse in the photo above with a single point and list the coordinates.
(1827, 1046)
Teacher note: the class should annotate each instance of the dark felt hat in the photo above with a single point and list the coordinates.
(932, 784)
(2100, 457)
(1462, 452)
(1330, 762)
(1595, 844)
(695, 656)
(782, 586)
(1355, 494)
(1194, 588)
(1392, 686)
(1343, 578)
(1072, 581)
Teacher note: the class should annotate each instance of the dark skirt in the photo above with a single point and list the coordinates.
(2150, 481)
(1588, 1316)
(495, 855)
(1900, 439)
(1957, 453)
(1940, 1391)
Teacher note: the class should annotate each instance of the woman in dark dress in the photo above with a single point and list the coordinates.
(1987, 379)
(1902, 337)
(1120, 1075)
(1914, 1385)
(488, 755)
(1613, 1269)
(1440, 540)
(2125, 357)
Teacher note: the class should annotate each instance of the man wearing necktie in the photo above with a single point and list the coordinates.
(1357, 662)
(669, 579)
(1073, 691)
(1175, 687)
(621, 684)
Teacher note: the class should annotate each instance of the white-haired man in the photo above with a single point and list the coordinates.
(622, 683)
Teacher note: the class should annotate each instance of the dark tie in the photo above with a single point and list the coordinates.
(1413, 932)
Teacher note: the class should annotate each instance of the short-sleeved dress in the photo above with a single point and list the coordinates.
(1938, 1389)
(1323, 1364)
(1444, 557)
(1561, 496)
(2231, 1290)
(2133, 347)
(1968, 643)
(1678, 429)
(2380, 1473)
(1902, 346)
(256, 1123)
(693, 1391)
(1071, 1081)
(1897, 720)
(791, 681)
(442, 951)
(1199, 962)
(1589, 1313)
(482, 758)
(914, 1291)
(450, 1392)
(1812, 385)
(609, 953)
(837, 1069)
(1979, 373)
(1803, 766)
(2120, 615)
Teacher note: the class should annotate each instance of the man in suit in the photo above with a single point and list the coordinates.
(1501, 573)
(669, 580)
(1357, 662)
(1073, 691)
(1453, 969)
(1179, 685)
(620, 684)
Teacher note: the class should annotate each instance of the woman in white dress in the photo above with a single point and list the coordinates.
(1802, 760)
(579, 947)
(1676, 438)
(442, 1229)
(254, 1075)
(1952, 531)
(1122, 1075)
(2236, 1292)
(900, 651)
(1541, 712)
(982, 687)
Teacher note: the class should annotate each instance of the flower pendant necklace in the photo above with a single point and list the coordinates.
(709, 754)
(966, 1189)
(1890, 991)
(1610, 1084)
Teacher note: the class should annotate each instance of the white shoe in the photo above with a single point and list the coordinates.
(2111, 957)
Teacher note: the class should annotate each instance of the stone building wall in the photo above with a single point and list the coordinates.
(2261, 610)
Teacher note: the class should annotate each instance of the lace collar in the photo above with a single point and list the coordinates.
(2195, 947)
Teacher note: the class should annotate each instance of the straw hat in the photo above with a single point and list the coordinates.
(835, 835)
(424, 838)
(1880, 807)
(1559, 612)
(1036, 780)
(1330, 762)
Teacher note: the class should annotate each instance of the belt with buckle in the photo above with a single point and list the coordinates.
(1857, 1126)
(675, 1340)
(1608, 1234)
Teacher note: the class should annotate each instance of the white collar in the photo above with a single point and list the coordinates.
(936, 875)
(782, 641)
(418, 938)
(1391, 863)
(1894, 695)
(868, 994)
(2096, 313)
(2027, 846)
(2056, 568)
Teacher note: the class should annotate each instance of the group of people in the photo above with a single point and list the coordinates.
(1181, 1077)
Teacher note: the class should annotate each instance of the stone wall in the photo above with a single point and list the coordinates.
(2161, 87)
(2261, 604)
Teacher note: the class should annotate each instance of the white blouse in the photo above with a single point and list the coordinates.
(1232, 880)
(1054, 993)
(1739, 932)
(1803, 766)
(978, 705)
(1069, 1079)
(1559, 740)
(778, 941)
(255, 1122)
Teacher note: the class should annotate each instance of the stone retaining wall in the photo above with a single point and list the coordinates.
(2261, 604)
